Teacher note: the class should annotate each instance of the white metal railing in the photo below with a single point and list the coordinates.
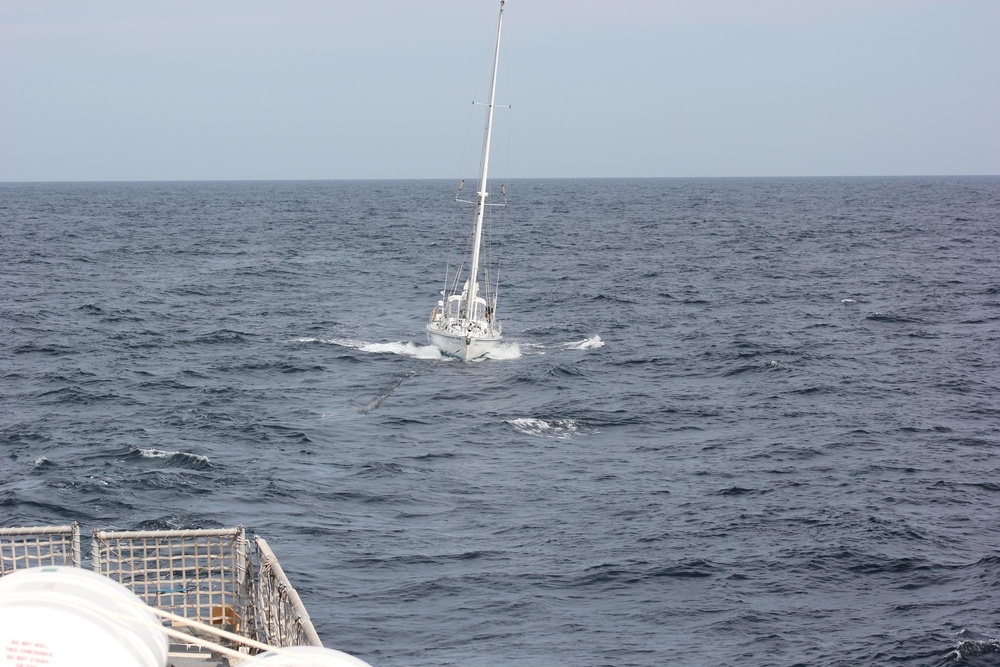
(202, 575)
(282, 618)
(23, 548)
(213, 577)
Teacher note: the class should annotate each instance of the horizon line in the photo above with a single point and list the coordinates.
(517, 178)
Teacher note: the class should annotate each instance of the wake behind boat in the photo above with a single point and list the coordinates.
(464, 323)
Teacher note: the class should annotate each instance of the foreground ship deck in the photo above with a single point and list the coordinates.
(221, 597)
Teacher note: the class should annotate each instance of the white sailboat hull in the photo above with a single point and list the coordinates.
(465, 348)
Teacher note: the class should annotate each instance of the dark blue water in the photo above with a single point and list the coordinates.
(737, 422)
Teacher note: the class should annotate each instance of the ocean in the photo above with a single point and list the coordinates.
(743, 422)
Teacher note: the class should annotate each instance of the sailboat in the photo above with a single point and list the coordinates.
(464, 323)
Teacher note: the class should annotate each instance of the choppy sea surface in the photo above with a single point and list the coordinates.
(736, 421)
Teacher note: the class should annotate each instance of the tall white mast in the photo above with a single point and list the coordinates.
(482, 194)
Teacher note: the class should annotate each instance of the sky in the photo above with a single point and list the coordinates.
(108, 90)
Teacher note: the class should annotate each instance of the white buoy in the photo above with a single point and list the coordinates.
(311, 656)
(66, 616)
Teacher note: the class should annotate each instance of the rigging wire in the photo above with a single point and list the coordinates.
(494, 250)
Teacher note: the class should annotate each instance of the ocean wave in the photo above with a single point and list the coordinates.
(506, 351)
(305, 340)
(221, 336)
(591, 343)
(632, 573)
(892, 319)
(407, 349)
(51, 349)
(769, 366)
(180, 459)
(973, 645)
(503, 352)
(741, 491)
(403, 349)
(562, 429)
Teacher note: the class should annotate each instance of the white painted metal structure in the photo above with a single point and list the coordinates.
(464, 323)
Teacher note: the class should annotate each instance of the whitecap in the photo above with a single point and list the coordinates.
(505, 352)
(849, 300)
(591, 343)
(151, 453)
(155, 453)
(559, 428)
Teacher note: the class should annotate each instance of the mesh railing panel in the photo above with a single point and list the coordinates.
(23, 548)
(282, 619)
(203, 575)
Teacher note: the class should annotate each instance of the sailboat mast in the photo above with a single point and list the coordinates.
(482, 194)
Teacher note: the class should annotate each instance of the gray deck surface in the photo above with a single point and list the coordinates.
(181, 655)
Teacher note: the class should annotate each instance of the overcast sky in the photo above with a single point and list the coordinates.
(324, 89)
